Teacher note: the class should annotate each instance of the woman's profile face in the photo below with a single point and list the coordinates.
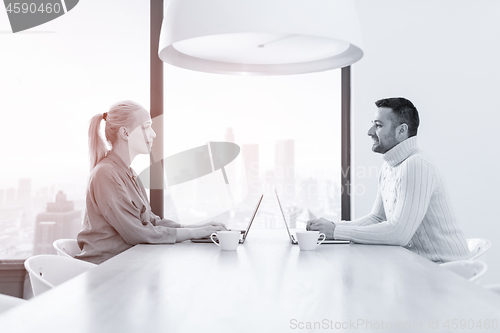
(141, 136)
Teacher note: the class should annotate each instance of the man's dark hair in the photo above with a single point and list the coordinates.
(404, 110)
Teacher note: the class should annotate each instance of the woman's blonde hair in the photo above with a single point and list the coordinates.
(119, 115)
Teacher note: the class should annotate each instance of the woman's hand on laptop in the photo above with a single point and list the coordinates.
(198, 231)
(322, 225)
(207, 230)
(211, 223)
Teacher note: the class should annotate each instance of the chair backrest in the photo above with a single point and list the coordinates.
(493, 287)
(472, 270)
(8, 302)
(47, 271)
(67, 247)
(478, 246)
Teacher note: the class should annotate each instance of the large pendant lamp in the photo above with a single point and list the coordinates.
(260, 37)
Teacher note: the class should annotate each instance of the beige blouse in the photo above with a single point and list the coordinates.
(118, 214)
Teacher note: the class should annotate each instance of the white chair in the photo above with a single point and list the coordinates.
(47, 271)
(8, 302)
(478, 246)
(493, 287)
(67, 247)
(472, 270)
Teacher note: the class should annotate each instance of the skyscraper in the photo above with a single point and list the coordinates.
(229, 135)
(251, 161)
(24, 193)
(59, 221)
(284, 168)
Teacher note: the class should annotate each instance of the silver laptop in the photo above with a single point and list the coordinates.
(293, 239)
(244, 233)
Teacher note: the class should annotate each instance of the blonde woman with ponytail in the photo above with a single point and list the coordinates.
(118, 214)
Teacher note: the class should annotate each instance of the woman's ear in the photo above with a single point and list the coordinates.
(123, 133)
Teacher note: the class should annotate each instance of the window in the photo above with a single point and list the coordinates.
(289, 132)
(55, 77)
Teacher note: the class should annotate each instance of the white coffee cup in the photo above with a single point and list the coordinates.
(228, 240)
(308, 240)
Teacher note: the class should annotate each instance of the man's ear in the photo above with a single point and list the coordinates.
(402, 131)
(404, 128)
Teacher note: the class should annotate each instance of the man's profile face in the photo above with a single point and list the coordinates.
(383, 131)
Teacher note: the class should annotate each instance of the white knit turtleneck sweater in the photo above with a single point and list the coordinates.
(411, 209)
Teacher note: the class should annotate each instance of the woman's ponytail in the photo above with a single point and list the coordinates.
(97, 147)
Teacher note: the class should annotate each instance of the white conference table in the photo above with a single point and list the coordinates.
(267, 285)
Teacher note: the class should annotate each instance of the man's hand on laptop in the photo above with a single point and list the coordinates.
(322, 225)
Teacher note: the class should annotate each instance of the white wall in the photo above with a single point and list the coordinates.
(445, 57)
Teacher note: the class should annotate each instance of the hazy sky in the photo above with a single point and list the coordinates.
(55, 77)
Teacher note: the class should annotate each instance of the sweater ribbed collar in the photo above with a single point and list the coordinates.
(401, 151)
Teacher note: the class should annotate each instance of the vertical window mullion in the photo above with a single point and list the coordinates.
(156, 107)
(346, 144)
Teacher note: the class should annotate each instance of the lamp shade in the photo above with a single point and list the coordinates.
(260, 37)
